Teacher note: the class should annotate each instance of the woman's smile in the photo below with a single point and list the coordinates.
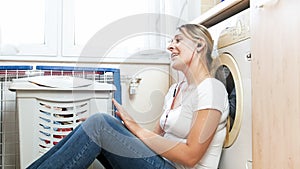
(173, 55)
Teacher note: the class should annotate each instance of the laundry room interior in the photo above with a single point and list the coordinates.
(63, 62)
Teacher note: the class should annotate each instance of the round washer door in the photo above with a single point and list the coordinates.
(228, 72)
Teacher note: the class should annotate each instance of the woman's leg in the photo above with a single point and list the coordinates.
(114, 161)
(101, 133)
(120, 148)
(50, 152)
(75, 151)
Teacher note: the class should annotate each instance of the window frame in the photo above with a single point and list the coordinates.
(50, 45)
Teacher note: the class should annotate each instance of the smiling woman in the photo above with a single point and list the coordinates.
(189, 134)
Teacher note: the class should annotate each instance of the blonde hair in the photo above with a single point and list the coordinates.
(197, 32)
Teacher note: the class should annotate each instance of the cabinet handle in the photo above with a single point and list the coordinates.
(263, 3)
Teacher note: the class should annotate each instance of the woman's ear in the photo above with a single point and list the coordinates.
(199, 47)
(200, 44)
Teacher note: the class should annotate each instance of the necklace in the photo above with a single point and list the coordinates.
(175, 94)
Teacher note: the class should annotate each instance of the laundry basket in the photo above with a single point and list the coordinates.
(50, 107)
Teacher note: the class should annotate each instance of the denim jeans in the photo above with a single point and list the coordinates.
(105, 138)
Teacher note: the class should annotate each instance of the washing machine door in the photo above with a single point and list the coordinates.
(228, 72)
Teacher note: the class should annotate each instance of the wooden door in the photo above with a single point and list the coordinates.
(275, 48)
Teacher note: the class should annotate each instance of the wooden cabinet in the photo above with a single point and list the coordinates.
(275, 27)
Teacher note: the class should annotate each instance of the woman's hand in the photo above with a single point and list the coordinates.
(129, 122)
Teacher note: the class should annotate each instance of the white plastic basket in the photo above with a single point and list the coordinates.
(50, 107)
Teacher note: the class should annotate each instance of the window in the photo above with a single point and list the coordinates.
(25, 28)
(62, 28)
(87, 17)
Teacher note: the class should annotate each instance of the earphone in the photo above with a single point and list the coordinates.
(198, 47)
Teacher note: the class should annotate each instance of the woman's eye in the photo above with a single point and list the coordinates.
(176, 40)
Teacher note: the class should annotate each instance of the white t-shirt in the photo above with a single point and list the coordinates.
(209, 94)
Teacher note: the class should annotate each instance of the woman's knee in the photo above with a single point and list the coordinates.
(96, 124)
(97, 118)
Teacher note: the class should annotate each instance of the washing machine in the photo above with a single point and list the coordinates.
(233, 68)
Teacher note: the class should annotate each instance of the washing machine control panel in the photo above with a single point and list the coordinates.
(240, 30)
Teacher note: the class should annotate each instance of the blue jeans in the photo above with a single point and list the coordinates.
(105, 138)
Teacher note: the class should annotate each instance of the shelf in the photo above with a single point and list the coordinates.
(221, 12)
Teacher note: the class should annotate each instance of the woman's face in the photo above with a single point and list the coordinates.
(182, 49)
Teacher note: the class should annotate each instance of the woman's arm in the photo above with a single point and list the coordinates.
(189, 153)
(157, 129)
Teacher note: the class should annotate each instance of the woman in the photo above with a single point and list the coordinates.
(190, 132)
